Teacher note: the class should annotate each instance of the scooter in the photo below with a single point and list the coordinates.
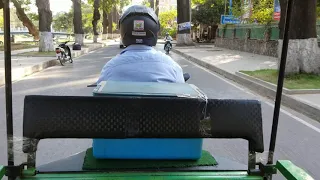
(167, 46)
(63, 52)
(186, 77)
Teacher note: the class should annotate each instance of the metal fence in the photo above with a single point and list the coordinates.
(253, 31)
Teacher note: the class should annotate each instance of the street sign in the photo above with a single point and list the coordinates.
(184, 26)
(229, 19)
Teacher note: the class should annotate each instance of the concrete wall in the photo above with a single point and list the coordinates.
(268, 48)
(258, 39)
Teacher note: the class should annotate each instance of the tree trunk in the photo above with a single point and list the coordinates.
(96, 18)
(105, 24)
(45, 20)
(77, 21)
(25, 20)
(157, 7)
(303, 51)
(151, 4)
(184, 16)
(115, 20)
(110, 25)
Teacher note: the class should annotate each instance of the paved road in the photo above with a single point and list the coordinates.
(298, 138)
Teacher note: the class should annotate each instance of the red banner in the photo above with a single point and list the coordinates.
(276, 16)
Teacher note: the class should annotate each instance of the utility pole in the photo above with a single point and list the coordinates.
(184, 23)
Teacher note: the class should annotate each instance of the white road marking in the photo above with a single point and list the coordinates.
(296, 118)
(268, 103)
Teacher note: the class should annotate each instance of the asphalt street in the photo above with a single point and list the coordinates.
(298, 136)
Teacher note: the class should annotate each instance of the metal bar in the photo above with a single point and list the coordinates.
(280, 82)
(8, 81)
(230, 7)
(251, 160)
(291, 171)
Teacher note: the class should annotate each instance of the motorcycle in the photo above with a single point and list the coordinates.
(63, 52)
(186, 77)
(167, 46)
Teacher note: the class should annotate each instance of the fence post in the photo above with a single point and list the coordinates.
(267, 33)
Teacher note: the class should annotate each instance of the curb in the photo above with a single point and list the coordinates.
(274, 87)
(26, 71)
(303, 107)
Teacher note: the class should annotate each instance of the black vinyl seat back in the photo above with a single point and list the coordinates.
(237, 119)
(139, 117)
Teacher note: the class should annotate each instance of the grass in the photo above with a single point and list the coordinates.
(18, 46)
(36, 53)
(296, 81)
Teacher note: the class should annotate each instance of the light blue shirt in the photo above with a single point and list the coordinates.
(140, 63)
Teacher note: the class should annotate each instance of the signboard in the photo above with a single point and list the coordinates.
(229, 19)
(184, 26)
(277, 10)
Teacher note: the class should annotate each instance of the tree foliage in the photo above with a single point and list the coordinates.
(207, 11)
(168, 22)
(146, 3)
(262, 11)
(62, 22)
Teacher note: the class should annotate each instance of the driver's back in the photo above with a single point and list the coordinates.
(142, 63)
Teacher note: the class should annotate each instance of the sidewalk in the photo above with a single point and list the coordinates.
(228, 63)
(24, 66)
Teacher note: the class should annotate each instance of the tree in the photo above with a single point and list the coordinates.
(208, 13)
(184, 16)
(151, 2)
(303, 51)
(62, 21)
(105, 24)
(25, 19)
(168, 22)
(110, 19)
(96, 18)
(157, 7)
(105, 6)
(87, 17)
(45, 20)
(146, 3)
(261, 11)
(77, 22)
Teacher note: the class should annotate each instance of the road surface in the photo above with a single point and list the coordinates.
(298, 136)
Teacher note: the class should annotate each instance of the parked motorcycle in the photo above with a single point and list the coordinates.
(63, 52)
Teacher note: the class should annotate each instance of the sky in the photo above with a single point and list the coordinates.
(60, 5)
(56, 6)
(65, 5)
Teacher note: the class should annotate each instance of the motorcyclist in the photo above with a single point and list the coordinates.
(167, 40)
(140, 62)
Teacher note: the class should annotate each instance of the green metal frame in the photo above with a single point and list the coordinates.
(2, 172)
(149, 176)
(291, 171)
(286, 168)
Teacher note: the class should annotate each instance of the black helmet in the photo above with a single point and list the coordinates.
(139, 25)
